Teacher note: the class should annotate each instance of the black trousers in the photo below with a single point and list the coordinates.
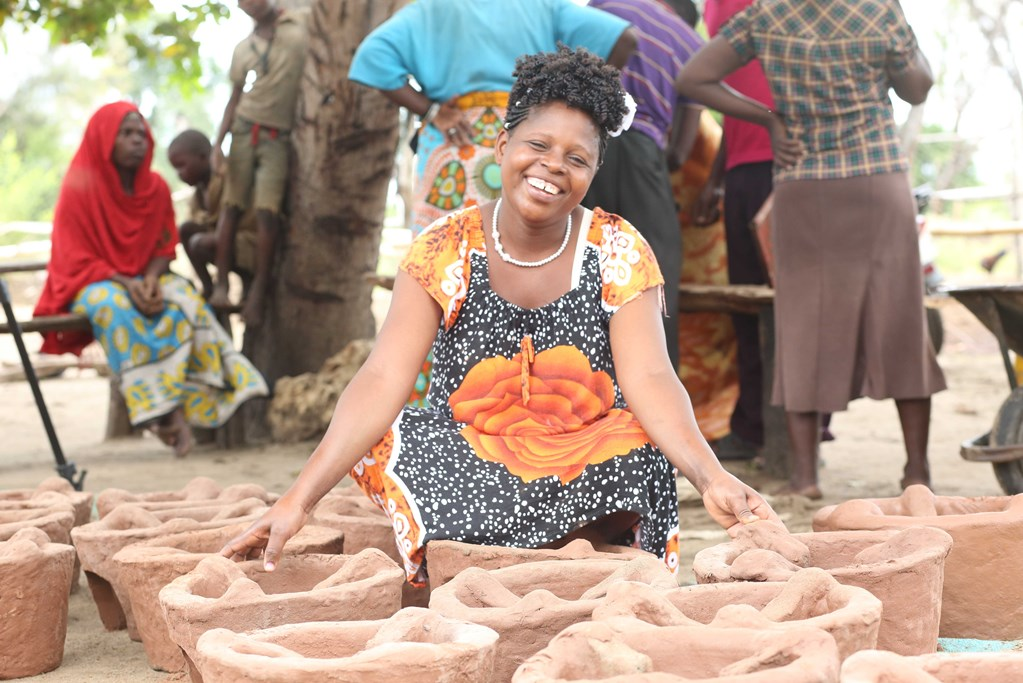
(634, 183)
(746, 188)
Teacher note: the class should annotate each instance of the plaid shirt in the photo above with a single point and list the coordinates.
(829, 65)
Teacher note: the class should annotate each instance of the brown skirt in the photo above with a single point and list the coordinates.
(849, 313)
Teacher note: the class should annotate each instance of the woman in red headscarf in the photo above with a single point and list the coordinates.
(114, 237)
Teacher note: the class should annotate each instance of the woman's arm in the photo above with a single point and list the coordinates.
(363, 414)
(684, 128)
(447, 117)
(623, 48)
(913, 83)
(700, 80)
(659, 401)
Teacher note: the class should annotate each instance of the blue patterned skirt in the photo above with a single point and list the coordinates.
(179, 357)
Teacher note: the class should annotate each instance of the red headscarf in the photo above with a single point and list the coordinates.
(98, 229)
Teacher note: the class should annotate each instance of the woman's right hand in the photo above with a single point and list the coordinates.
(786, 148)
(267, 535)
(145, 295)
(707, 207)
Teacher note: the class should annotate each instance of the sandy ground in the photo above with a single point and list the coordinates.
(864, 461)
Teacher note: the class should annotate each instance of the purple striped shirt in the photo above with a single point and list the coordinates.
(665, 43)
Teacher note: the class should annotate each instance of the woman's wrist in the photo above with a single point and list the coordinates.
(430, 113)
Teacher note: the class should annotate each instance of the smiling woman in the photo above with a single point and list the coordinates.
(554, 411)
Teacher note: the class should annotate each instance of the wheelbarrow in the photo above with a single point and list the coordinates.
(1000, 309)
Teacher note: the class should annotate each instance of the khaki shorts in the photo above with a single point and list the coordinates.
(257, 175)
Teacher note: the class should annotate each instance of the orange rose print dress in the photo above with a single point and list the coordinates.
(527, 437)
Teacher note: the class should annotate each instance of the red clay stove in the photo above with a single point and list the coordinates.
(35, 580)
(220, 593)
(200, 490)
(811, 598)
(873, 666)
(146, 567)
(415, 644)
(983, 593)
(99, 541)
(903, 569)
(530, 603)
(622, 649)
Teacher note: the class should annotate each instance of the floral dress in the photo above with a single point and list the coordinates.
(528, 437)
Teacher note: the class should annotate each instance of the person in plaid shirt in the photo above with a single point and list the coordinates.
(848, 293)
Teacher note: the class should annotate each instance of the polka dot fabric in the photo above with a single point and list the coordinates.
(528, 437)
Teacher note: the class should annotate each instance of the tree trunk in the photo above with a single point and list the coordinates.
(344, 145)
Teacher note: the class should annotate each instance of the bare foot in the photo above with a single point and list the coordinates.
(219, 297)
(183, 437)
(252, 309)
(811, 491)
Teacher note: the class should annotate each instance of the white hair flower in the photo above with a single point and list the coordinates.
(630, 113)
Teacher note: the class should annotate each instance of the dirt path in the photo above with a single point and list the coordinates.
(864, 461)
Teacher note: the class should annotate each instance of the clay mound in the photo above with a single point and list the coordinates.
(52, 512)
(35, 580)
(220, 593)
(529, 604)
(873, 666)
(413, 645)
(623, 649)
(903, 569)
(810, 598)
(80, 500)
(987, 534)
(144, 568)
(445, 559)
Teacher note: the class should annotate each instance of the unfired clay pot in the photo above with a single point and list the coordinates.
(983, 594)
(365, 526)
(80, 500)
(51, 512)
(35, 580)
(414, 645)
(144, 568)
(199, 490)
(445, 559)
(220, 593)
(903, 569)
(529, 604)
(628, 650)
(873, 666)
(812, 597)
(98, 542)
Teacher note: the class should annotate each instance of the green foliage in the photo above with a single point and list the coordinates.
(931, 157)
(27, 191)
(155, 38)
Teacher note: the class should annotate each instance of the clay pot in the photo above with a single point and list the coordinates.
(365, 526)
(414, 645)
(144, 568)
(98, 542)
(445, 559)
(80, 500)
(624, 649)
(873, 666)
(529, 604)
(51, 512)
(35, 580)
(199, 490)
(903, 569)
(220, 593)
(983, 593)
(811, 598)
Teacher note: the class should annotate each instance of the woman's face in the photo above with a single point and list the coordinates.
(131, 143)
(547, 162)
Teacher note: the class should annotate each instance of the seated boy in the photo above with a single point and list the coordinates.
(189, 153)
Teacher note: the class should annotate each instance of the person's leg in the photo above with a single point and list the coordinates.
(804, 433)
(915, 418)
(268, 227)
(746, 188)
(201, 248)
(227, 226)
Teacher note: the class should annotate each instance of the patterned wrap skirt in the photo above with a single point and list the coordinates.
(180, 357)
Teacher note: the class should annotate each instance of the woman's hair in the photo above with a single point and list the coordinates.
(577, 78)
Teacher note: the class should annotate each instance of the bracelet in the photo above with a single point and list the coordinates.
(431, 112)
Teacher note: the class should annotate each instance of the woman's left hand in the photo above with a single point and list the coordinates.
(732, 503)
(450, 121)
(146, 295)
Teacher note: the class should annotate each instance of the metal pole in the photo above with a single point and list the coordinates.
(64, 468)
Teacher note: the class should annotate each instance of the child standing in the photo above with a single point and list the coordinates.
(259, 120)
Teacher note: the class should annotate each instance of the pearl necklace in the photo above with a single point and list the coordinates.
(526, 264)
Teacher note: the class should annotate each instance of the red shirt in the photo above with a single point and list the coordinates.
(745, 142)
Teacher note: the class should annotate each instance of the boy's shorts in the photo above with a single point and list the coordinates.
(257, 168)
